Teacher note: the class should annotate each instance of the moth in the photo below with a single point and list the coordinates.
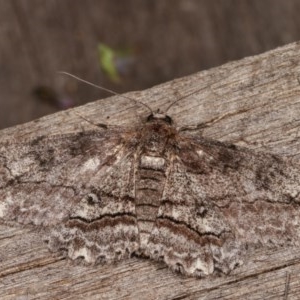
(198, 205)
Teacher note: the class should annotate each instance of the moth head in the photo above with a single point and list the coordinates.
(158, 116)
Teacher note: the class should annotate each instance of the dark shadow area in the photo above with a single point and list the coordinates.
(124, 45)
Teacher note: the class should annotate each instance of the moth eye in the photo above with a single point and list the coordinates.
(169, 120)
(92, 199)
(150, 118)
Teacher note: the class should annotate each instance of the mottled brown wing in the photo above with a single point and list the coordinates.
(220, 202)
(78, 187)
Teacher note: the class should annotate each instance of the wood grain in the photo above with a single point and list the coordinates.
(253, 102)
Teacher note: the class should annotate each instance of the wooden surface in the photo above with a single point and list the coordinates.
(254, 102)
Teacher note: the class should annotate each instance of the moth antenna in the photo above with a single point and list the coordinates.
(105, 89)
(183, 97)
(89, 121)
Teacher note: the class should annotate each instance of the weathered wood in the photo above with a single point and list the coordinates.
(253, 102)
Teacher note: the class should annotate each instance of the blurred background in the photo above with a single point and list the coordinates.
(124, 45)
